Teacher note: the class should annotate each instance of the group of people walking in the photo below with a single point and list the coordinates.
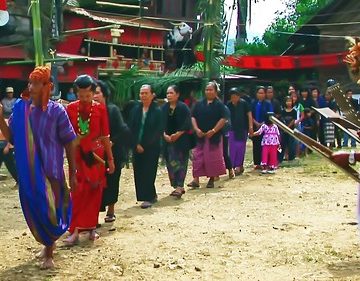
(96, 139)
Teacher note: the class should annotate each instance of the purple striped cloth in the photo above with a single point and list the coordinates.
(52, 130)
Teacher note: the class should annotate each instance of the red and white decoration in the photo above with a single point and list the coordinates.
(4, 14)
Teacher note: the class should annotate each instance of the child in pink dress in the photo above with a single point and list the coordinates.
(270, 144)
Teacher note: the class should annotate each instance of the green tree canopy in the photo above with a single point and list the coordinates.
(297, 13)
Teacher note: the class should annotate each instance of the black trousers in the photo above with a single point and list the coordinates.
(256, 140)
(145, 167)
(9, 161)
(111, 192)
(226, 155)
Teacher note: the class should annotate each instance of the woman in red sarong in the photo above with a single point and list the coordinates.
(90, 122)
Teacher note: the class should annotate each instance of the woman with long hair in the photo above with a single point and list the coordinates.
(306, 99)
(119, 137)
(259, 108)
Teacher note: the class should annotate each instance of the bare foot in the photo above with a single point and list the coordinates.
(48, 263)
(93, 235)
(42, 253)
(72, 240)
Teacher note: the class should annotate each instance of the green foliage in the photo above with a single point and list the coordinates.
(297, 13)
(127, 86)
(302, 10)
(120, 86)
(256, 47)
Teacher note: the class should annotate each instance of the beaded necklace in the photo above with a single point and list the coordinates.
(84, 125)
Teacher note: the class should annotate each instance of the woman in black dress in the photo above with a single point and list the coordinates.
(146, 126)
(177, 124)
(119, 134)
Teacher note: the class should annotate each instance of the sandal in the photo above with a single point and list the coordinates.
(193, 185)
(93, 235)
(239, 172)
(145, 205)
(210, 184)
(110, 218)
(178, 193)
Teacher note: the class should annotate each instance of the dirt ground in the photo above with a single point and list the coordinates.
(299, 224)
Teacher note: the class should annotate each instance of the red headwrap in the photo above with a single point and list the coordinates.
(42, 74)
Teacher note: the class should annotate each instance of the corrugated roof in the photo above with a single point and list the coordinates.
(117, 19)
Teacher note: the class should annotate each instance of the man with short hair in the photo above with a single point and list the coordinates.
(8, 101)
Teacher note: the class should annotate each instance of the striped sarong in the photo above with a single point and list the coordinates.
(47, 213)
(329, 132)
(208, 159)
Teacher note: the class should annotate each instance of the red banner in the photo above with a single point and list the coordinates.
(280, 62)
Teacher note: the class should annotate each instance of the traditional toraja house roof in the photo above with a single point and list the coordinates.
(83, 28)
(123, 20)
(137, 35)
(137, 31)
(128, 7)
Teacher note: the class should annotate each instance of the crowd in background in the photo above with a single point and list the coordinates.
(214, 131)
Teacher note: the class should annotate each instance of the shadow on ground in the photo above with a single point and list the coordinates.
(26, 272)
(345, 269)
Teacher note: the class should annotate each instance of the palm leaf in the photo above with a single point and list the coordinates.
(126, 87)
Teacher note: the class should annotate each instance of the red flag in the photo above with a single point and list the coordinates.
(4, 14)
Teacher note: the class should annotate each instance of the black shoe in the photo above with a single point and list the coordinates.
(210, 184)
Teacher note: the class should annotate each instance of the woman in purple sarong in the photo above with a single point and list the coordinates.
(208, 119)
(241, 125)
(40, 130)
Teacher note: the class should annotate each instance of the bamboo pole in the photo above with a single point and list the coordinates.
(26, 62)
(211, 15)
(36, 19)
